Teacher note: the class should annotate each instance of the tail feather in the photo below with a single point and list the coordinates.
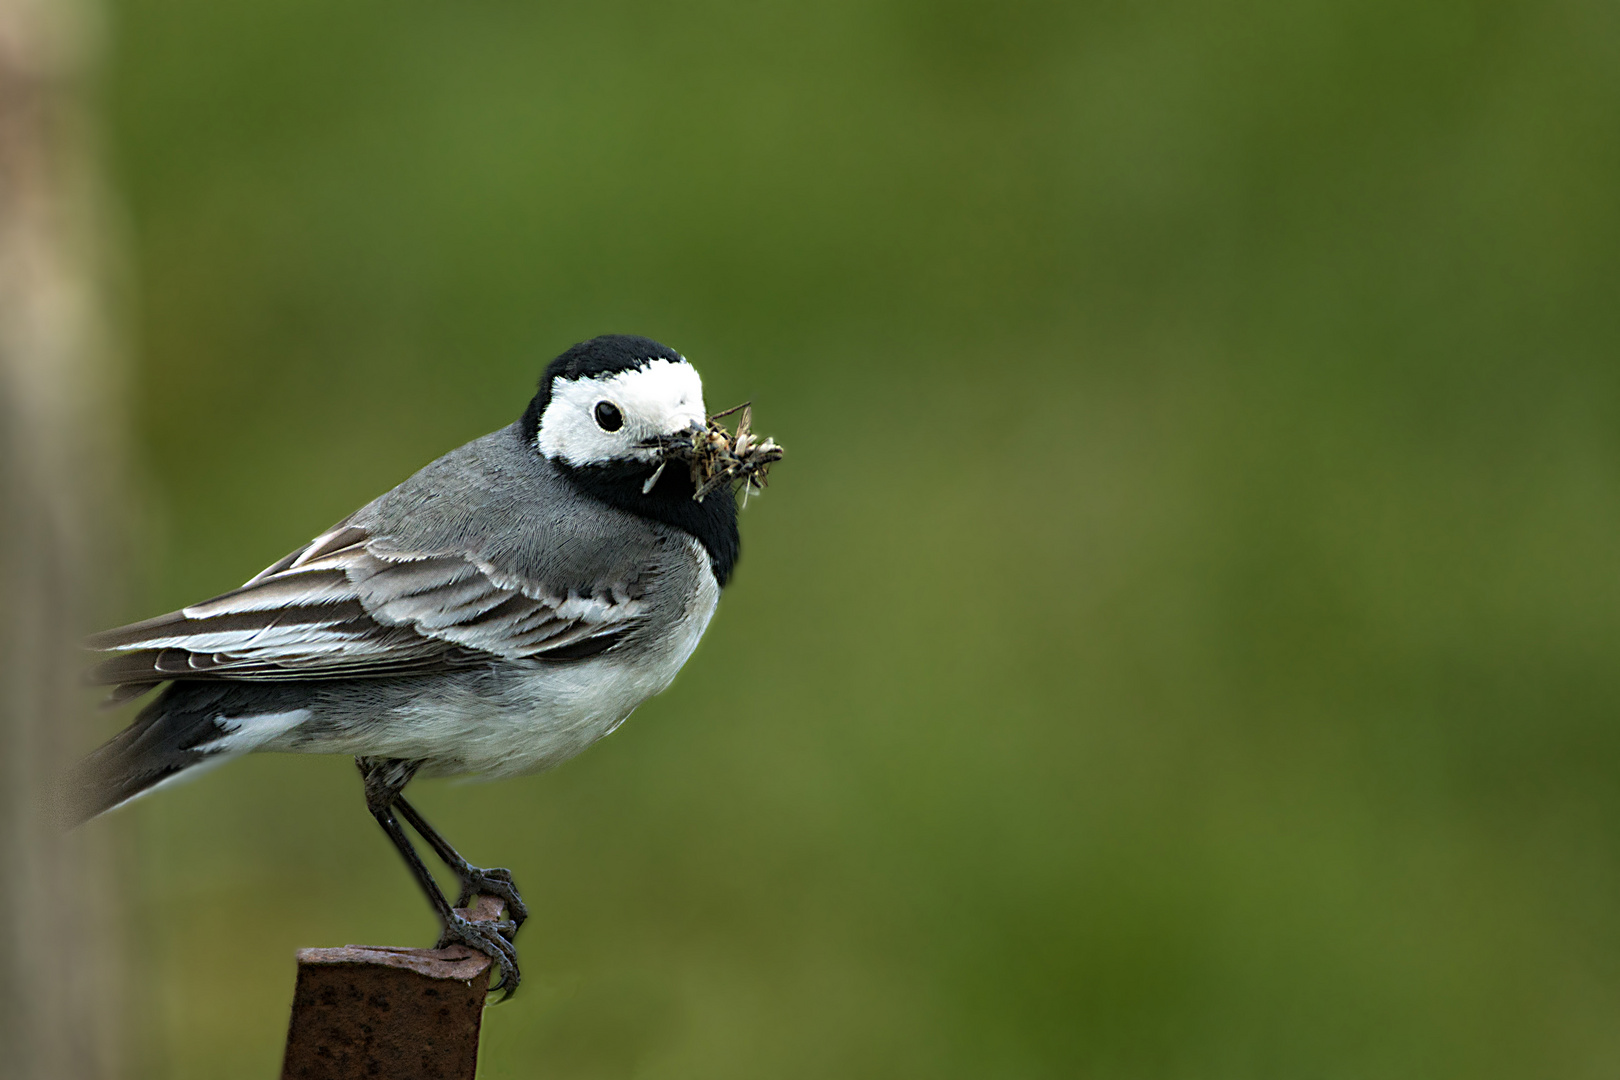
(187, 728)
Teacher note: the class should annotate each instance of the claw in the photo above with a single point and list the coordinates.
(489, 939)
(497, 882)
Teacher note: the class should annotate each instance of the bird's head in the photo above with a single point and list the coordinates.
(614, 402)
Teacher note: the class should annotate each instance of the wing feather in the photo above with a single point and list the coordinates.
(346, 606)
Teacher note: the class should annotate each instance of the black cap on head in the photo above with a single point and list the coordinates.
(605, 355)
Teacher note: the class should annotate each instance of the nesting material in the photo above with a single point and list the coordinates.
(721, 457)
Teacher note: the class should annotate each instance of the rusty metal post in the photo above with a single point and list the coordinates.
(404, 1014)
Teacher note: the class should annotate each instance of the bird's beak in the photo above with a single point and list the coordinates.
(678, 444)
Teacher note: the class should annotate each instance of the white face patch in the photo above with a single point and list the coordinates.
(663, 398)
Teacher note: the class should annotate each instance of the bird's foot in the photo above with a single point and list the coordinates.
(489, 939)
(496, 882)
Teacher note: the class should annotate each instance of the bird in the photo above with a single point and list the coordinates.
(495, 614)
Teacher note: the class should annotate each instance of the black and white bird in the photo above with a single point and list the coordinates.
(495, 614)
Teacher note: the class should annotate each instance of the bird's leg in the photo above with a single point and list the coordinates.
(495, 881)
(384, 779)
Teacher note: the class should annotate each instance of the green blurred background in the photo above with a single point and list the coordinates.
(1183, 640)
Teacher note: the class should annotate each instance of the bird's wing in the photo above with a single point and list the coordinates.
(350, 605)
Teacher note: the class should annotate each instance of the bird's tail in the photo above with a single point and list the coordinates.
(186, 729)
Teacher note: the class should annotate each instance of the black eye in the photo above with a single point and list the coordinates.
(608, 416)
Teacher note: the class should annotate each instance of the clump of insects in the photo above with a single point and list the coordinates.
(718, 456)
(723, 457)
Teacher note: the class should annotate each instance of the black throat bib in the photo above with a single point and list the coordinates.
(713, 521)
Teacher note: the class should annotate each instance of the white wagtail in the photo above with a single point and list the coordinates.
(495, 614)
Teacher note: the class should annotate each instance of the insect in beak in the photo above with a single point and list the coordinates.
(716, 456)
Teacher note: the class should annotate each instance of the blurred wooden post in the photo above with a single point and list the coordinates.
(60, 455)
(404, 1014)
